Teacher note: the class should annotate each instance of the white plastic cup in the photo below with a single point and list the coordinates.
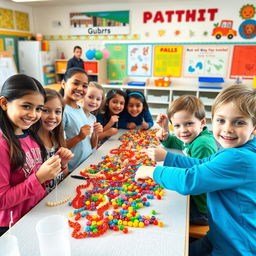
(53, 235)
(9, 246)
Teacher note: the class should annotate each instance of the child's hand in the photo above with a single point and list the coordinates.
(144, 126)
(97, 128)
(49, 169)
(144, 172)
(65, 155)
(162, 121)
(84, 131)
(131, 126)
(114, 119)
(157, 154)
(162, 135)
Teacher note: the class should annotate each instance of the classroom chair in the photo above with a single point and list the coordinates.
(196, 231)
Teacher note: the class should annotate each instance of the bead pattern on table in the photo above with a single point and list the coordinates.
(113, 193)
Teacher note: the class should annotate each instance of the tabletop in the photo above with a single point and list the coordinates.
(172, 210)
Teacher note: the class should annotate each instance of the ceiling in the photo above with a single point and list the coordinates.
(74, 2)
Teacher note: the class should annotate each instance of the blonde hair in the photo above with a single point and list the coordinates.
(189, 103)
(242, 96)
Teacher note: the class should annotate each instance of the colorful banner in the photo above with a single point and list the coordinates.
(139, 60)
(244, 61)
(208, 61)
(168, 60)
(99, 23)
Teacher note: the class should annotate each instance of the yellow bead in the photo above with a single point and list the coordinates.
(141, 224)
(130, 224)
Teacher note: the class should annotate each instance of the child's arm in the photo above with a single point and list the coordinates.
(11, 196)
(148, 120)
(84, 131)
(65, 155)
(224, 170)
(108, 133)
(114, 119)
(97, 130)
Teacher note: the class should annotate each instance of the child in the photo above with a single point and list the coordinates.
(114, 105)
(228, 176)
(187, 116)
(22, 171)
(75, 122)
(76, 60)
(52, 134)
(92, 103)
(136, 113)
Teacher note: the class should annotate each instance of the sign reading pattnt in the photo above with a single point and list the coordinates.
(99, 23)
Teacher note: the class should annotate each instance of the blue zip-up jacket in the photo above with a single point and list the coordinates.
(126, 118)
(229, 178)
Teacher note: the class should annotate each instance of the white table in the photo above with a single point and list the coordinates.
(171, 240)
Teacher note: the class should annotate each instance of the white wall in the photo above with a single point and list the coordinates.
(44, 18)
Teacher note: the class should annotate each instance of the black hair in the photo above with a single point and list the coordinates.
(77, 47)
(136, 95)
(110, 95)
(16, 87)
(69, 73)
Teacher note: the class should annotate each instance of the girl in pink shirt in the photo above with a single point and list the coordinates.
(22, 171)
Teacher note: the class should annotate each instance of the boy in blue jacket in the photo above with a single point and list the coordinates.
(228, 177)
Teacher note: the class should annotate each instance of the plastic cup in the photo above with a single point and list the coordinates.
(53, 236)
(9, 246)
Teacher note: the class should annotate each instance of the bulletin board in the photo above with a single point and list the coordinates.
(7, 67)
(117, 63)
(206, 60)
(139, 60)
(185, 59)
(244, 61)
(167, 60)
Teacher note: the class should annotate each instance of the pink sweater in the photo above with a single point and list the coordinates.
(19, 190)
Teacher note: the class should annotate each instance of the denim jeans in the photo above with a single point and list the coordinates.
(200, 247)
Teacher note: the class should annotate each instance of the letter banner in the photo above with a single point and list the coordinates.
(99, 23)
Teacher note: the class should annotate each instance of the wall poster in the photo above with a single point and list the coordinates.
(168, 60)
(208, 61)
(139, 60)
(244, 61)
(99, 23)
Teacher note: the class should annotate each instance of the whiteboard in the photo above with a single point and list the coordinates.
(7, 69)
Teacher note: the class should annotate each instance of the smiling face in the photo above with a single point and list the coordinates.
(92, 99)
(116, 104)
(134, 107)
(231, 128)
(24, 112)
(186, 126)
(51, 114)
(75, 88)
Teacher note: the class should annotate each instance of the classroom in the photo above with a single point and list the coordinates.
(128, 128)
